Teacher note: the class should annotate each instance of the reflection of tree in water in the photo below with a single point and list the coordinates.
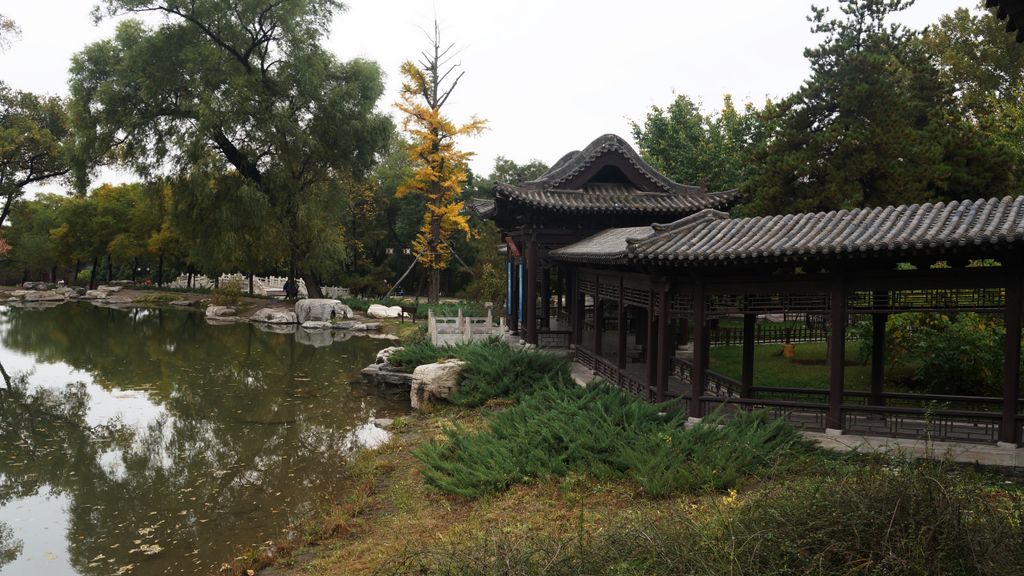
(10, 547)
(252, 429)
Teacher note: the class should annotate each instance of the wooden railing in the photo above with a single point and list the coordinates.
(768, 334)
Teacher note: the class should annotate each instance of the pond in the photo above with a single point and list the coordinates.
(146, 441)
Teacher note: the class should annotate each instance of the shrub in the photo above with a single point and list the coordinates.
(601, 432)
(493, 368)
(943, 354)
(875, 520)
(228, 294)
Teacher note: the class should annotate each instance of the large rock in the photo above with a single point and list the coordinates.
(120, 300)
(19, 293)
(219, 311)
(109, 288)
(382, 311)
(274, 316)
(384, 356)
(34, 285)
(432, 382)
(321, 310)
(47, 296)
(95, 295)
(317, 325)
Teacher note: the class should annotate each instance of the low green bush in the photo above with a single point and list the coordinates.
(603, 433)
(493, 368)
(882, 519)
(958, 354)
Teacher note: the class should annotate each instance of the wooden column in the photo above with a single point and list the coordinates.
(598, 325)
(836, 355)
(513, 321)
(545, 303)
(1011, 363)
(621, 352)
(699, 350)
(663, 357)
(747, 370)
(579, 314)
(532, 269)
(878, 321)
(652, 346)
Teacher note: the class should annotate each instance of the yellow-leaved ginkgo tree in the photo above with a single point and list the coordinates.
(439, 167)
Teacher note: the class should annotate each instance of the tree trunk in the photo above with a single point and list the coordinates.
(312, 286)
(53, 274)
(92, 273)
(78, 269)
(135, 269)
(435, 286)
(250, 283)
(160, 273)
(24, 276)
(110, 269)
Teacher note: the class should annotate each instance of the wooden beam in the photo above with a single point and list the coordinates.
(878, 322)
(532, 270)
(836, 355)
(664, 355)
(747, 370)
(1008, 432)
(700, 347)
(652, 346)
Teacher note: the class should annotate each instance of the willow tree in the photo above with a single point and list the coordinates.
(249, 85)
(439, 167)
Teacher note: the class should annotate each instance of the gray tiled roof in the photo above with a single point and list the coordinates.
(482, 207)
(616, 198)
(577, 183)
(712, 237)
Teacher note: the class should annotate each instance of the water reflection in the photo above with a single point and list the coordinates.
(167, 441)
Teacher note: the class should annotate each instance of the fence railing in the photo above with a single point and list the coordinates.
(454, 330)
(768, 334)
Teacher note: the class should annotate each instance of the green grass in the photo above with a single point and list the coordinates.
(807, 370)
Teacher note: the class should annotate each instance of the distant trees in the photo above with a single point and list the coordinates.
(888, 115)
(691, 147)
(439, 167)
(246, 92)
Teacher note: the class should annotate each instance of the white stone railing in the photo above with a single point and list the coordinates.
(450, 331)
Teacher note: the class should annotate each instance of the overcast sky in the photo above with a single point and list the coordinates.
(549, 76)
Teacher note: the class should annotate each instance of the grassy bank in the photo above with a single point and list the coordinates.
(534, 476)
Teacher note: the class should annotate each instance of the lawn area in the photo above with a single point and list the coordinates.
(807, 370)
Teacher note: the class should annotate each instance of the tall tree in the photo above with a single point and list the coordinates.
(864, 129)
(32, 131)
(695, 148)
(241, 88)
(439, 166)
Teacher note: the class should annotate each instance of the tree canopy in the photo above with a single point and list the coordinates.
(224, 88)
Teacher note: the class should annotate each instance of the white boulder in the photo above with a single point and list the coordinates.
(274, 316)
(321, 310)
(432, 382)
(382, 311)
(316, 325)
(219, 311)
(46, 296)
(95, 295)
(384, 355)
(109, 289)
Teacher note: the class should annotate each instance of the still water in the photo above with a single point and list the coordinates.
(148, 442)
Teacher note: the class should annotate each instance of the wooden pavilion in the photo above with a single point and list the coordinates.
(603, 186)
(638, 300)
